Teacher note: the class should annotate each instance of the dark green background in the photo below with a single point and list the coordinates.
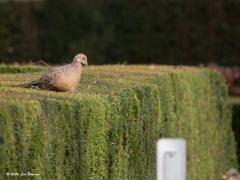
(121, 31)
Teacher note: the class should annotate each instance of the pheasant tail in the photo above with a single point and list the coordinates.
(35, 83)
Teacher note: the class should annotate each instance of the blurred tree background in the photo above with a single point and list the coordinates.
(121, 31)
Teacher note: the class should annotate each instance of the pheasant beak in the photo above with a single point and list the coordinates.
(84, 63)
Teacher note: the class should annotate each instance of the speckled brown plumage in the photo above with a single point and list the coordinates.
(62, 78)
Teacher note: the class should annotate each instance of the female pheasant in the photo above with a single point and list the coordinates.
(61, 78)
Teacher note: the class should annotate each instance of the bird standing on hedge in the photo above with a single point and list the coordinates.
(61, 78)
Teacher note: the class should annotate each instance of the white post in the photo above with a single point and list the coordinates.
(171, 159)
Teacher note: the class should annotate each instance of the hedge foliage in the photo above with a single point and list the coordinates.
(108, 128)
(164, 32)
(4, 68)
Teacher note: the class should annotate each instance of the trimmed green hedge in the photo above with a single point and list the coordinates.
(107, 129)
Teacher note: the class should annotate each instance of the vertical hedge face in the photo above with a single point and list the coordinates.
(108, 128)
(58, 139)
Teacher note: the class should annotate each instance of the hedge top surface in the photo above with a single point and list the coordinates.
(4, 68)
(99, 80)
